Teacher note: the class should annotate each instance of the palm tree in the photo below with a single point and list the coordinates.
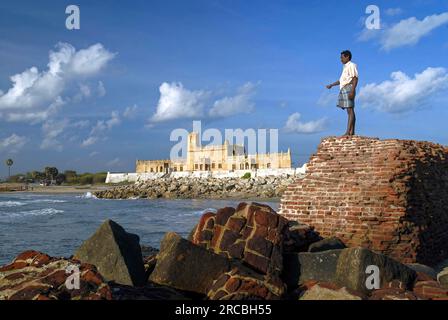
(9, 163)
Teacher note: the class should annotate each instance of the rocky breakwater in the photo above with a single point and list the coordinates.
(244, 253)
(197, 188)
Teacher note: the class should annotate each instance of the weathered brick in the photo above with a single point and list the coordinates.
(387, 195)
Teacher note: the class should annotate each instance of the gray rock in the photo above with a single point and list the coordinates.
(116, 254)
(353, 262)
(185, 266)
(300, 267)
(327, 244)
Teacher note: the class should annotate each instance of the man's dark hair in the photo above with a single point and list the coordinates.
(347, 53)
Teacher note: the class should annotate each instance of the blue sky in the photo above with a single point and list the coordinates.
(115, 89)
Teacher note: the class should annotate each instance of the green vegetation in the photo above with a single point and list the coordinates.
(51, 175)
(9, 163)
(246, 176)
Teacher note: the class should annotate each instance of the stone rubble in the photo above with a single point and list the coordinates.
(242, 253)
(202, 188)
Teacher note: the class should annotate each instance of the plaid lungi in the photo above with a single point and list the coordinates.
(343, 101)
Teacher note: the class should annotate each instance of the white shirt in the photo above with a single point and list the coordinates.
(349, 71)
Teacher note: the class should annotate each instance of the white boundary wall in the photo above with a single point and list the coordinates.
(139, 177)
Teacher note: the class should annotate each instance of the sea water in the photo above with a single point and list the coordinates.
(57, 224)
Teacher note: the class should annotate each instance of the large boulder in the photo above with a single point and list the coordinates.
(304, 266)
(37, 276)
(353, 263)
(299, 237)
(116, 253)
(245, 284)
(186, 266)
(253, 233)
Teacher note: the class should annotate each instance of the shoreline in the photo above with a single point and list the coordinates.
(60, 189)
(93, 189)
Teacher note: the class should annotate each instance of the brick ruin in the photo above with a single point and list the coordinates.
(390, 196)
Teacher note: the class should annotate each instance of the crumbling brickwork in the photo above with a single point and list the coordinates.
(390, 196)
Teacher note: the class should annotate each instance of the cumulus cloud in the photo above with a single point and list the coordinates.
(407, 32)
(293, 124)
(240, 103)
(34, 93)
(403, 93)
(13, 143)
(410, 31)
(177, 102)
(130, 112)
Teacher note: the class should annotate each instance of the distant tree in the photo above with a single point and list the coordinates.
(51, 172)
(37, 175)
(60, 178)
(99, 177)
(86, 178)
(71, 176)
(9, 163)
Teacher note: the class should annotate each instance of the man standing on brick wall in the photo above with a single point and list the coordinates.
(347, 82)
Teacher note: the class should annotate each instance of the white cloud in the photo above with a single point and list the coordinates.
(81, 124)
(293, 124)
(130, 112)
(177, 102)
(404, 93)
(52, 129)
(93, 154)
(33, 93)
(410, 31)
(88, 61)
(101, 89)
(89, 141)
(103, 125)
(35, 116)
(407, 32)
(13, 143)
(100, 128)
(240, 103)
(394, 11)
(85, 90)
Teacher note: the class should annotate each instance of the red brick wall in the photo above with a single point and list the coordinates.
(387, 195)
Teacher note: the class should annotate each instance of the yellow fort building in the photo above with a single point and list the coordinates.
(226, 157)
